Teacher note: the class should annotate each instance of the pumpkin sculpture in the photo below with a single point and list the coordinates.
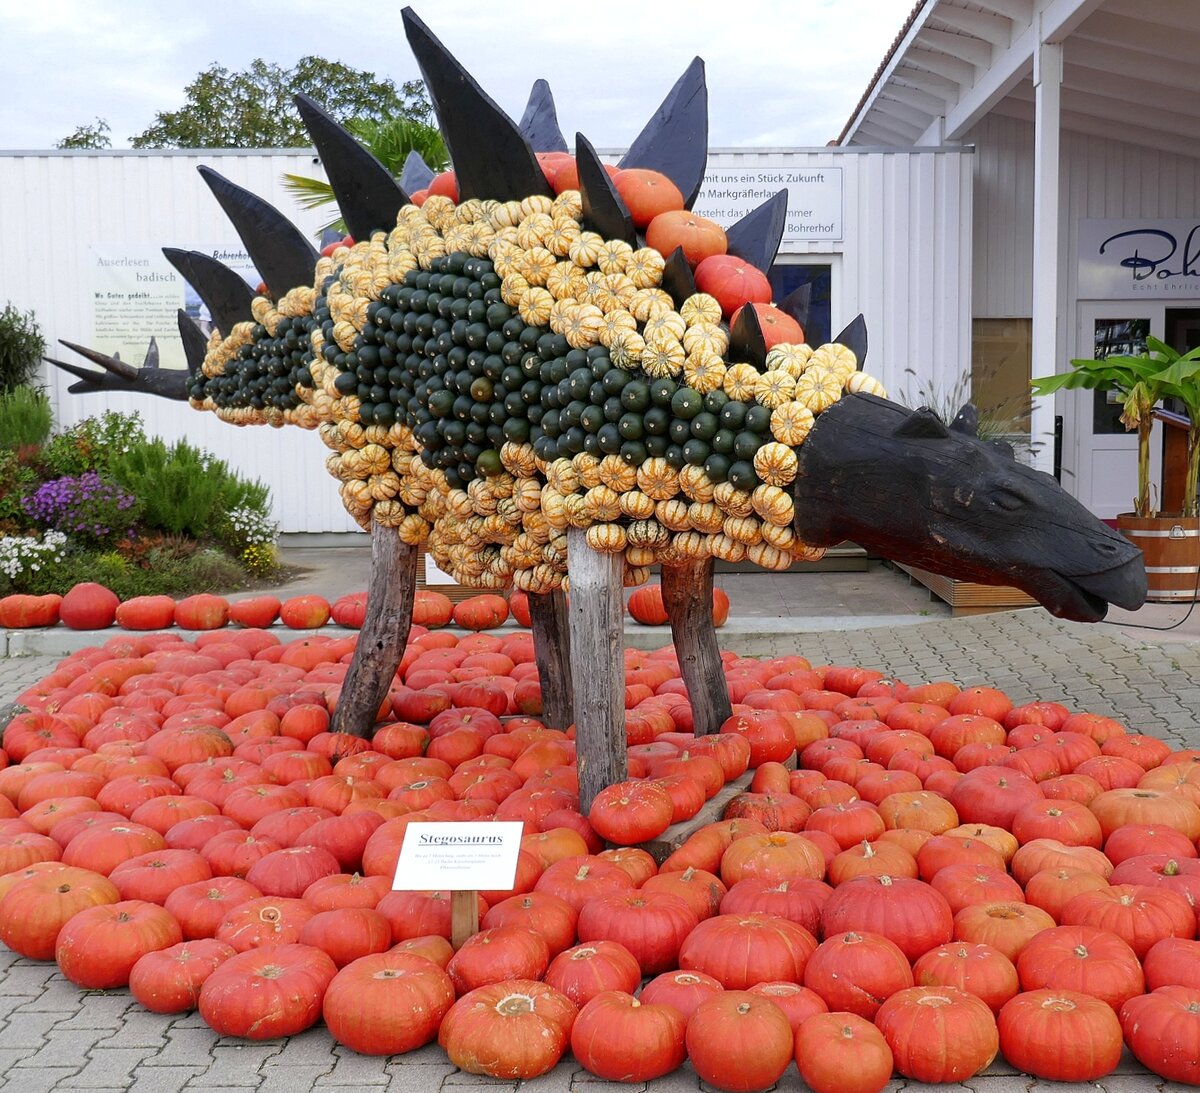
(515, 367)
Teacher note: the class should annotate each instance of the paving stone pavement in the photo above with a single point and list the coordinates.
(54, 1037)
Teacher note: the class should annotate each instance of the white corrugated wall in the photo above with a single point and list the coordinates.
(55, 206)
(1100, 178)
(904, 262)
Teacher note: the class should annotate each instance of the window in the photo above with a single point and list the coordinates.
(787, 277)
(1001, 359)
(1112, 336)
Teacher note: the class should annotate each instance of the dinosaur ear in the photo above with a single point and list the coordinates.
(922, 424)
(966, 421)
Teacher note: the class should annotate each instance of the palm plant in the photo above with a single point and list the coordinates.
(1142, 381)
(390, 142)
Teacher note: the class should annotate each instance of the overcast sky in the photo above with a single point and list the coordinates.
(780, 72)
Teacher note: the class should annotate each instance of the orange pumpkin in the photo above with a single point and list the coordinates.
(481, 612)
(698, 236)
(88, 606)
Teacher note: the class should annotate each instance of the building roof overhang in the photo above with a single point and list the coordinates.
(1129, 71)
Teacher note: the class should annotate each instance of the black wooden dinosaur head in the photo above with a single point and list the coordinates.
(902, 483)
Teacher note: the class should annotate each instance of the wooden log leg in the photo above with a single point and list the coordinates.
(687, 595)
(552, 650)
(384, 632)
(597, 613)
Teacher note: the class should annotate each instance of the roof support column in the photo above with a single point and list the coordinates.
(1047, 82)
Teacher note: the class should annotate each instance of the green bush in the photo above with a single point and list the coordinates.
(18, 479)
(21, 347)
(183, 489)
(25, 417)
(92, 444)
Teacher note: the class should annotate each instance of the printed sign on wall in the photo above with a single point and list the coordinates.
(136, 294)
(1130, 259)
(814, 198)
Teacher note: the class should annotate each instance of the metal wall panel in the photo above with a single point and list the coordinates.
(54, 206)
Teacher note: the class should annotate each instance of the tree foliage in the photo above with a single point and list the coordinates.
(253, 108)
(88, 136)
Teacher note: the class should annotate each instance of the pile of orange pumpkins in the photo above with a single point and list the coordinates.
(943, 877)
(92, 606)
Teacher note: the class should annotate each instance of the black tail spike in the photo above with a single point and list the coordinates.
(195, 344)
(755, 238)
(746, 341)
(677, 277)
(796, 304)
(417, 174)
(539, 123)
(116, 375)
(604, 211)
(110, 364)
(675, 139)
(283, 257)
(222, 291)
(854, 337)
(491, 158)
(366, 193)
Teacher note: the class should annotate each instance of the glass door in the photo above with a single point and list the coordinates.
(1099, 453)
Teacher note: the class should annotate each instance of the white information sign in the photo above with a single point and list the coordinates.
(435, 575)
(458, 857)
(1133, 259)
(136, 296)
(814, 198)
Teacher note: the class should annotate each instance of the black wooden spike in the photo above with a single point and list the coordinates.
(796, 304)
(677, 278)
(675, 139)
(417, 174)
(222, 291)
(854, 337)
(755, 238)
(539, 123)
(283, 257)
(366, 193)
(491, 158)
(746, 341)
(116, 375)
(195, 344)
(604, 210)
(111, 364)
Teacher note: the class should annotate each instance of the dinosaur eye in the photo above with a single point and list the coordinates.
(1008, 499)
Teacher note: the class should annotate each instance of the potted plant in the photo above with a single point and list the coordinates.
(1170, 542)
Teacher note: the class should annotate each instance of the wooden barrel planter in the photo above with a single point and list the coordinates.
(1171, 548)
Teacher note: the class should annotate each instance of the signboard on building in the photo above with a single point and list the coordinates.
(1130, 259)
(814, 198)
(137, 293)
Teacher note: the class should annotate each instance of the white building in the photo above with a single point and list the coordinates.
(878, 231)
(1085, 119)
